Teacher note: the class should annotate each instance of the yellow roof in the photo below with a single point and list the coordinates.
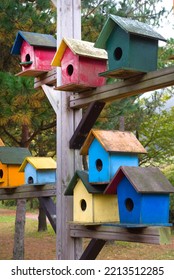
(1, 142)
(114, 141)
(79, 47)
(39, 163)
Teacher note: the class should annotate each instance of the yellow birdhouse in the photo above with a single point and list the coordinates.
(10, 161)
(90, 205)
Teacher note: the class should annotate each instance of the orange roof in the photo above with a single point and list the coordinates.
(1, 142)
(114, 141)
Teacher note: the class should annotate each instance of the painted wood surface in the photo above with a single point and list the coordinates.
(69, 25)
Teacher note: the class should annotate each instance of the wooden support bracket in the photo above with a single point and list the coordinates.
(50, 210)
(93, 249)
(85, 125)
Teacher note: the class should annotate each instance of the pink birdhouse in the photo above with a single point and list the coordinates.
(80, 65)
(36, 51)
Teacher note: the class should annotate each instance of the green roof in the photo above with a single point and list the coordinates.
(13, 155)
(128, 25)
(83, 176)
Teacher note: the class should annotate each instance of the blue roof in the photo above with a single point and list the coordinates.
(34, 39)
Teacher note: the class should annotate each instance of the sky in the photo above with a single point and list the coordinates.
(168, 30)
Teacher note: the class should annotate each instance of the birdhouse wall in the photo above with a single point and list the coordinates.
(69, 67)
(3, 175)
(117, 47)
(93, 208)
(155, 208)
(143, 53)
(10, 176)
(131, 51)
(103, 165)
(33, 176)
(81, 70)
(46, 176)
(30, 174)
(98, 163)
(140, 208)
(39, 56)
(89, 69)
(82, 204)
(27, 55)
(15, 178)
(105, 208)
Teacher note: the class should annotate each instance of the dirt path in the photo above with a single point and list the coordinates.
(42, 246)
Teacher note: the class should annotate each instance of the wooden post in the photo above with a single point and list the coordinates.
(68, 25)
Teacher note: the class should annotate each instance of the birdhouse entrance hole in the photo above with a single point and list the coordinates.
(129, 204)
(30, 180)
(118, 53)
(1, 173)
(27, 57)
(83, 204)
(70, 69)
(99, 164)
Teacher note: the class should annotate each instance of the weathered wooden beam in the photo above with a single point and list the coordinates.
(50, 210)
(93, 249)
(85, 125)
(153, 235)
(148, 82)
(28, 191)
(48, 78)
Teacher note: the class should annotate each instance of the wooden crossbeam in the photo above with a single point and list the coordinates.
(152, 235)
(50, 210)
(28, 191)
(48, 78)
(85, 125)
(148, 82)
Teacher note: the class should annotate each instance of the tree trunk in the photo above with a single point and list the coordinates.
(42, 222)
(18, 250)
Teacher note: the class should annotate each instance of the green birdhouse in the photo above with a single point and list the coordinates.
(132, 47)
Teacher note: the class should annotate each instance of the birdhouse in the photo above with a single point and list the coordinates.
(89, 203)
(36, 51)
(39, 170)
(11, 159)
(132, 47)
(107, 151)
(80, 65)
(143, 195)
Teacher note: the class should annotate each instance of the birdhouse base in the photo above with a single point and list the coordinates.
(31, 73)
(122, 73)
(74, 87)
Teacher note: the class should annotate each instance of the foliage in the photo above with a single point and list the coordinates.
(95, 13)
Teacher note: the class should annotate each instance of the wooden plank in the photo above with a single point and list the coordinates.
(85, 125)
(148, 82)
(69, 25)
(152, 235)
(50, 210)
(93, 249)
(49, 78)
(28, 191)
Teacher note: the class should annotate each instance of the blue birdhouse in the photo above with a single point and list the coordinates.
(132, 47)
(39, 170)
(107, 151)
(143, 195)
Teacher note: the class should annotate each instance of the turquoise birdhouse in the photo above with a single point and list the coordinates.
(132, 47)
(143, 195)
(107, 151)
